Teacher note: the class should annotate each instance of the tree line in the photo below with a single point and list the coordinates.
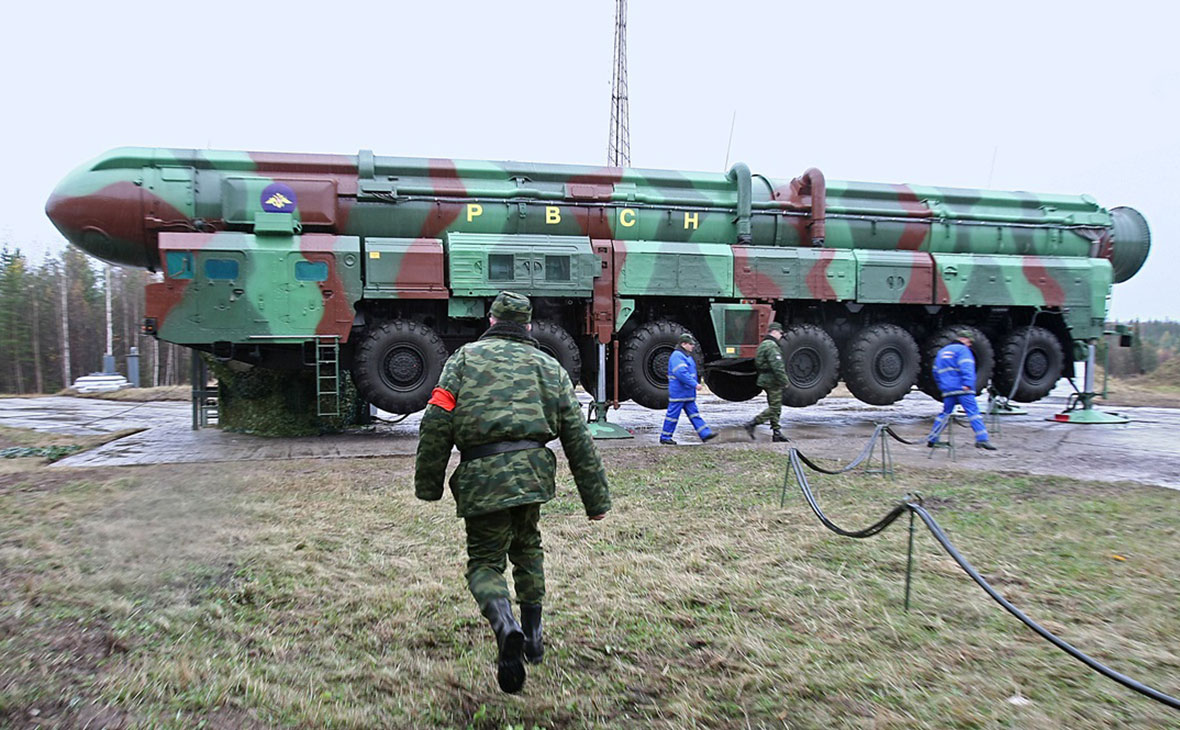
(1155, 342)
(53, 323)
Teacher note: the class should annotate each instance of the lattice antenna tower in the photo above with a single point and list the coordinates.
(618, 150)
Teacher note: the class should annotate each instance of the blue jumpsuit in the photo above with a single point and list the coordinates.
(954, 372)
(682, 395)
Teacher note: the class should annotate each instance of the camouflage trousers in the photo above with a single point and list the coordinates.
(511, 533)
(774, 409)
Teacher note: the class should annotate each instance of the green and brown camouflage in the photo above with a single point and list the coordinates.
(501, 388)
(768, 362)
(513, 533)
(604, 252)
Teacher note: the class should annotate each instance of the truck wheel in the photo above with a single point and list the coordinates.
(881, 364)
(643, 363)
(981, 347)
(555, 342)
(732, 386)
(397, 365)
(813, 364)
(1042, 363)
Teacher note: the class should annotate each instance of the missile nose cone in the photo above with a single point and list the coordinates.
(103, 215)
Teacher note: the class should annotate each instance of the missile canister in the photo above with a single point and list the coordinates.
(394, 260)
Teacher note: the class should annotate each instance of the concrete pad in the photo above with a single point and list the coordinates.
(1145, 450)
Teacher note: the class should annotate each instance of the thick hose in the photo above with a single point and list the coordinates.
(1044, 633)
(740, 173)
(797, 460)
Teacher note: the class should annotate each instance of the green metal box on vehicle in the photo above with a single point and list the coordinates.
(238, 287)
(827, 274)
(894, 277)
(404, 268)
(484, 264)
(654, 268)
(1039, 281)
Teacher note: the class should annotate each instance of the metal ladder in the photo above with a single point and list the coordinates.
(327, 375)
(205, 403)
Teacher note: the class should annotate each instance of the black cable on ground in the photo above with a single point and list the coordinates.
(1044, 633)
(864, 454)
(797, 460)
(897, 437)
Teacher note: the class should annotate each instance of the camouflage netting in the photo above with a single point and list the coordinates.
(280, 403)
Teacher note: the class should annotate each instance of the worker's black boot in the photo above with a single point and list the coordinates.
(530, 623)
(510, 641)
(778, 437)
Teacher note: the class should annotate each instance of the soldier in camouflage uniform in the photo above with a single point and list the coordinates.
(772, 377)
(500, 400)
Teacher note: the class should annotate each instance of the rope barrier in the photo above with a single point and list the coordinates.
(913, 505)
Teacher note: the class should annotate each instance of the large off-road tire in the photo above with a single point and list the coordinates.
(643, 362)
(1043, 362)
(981, 347)
(813, 364)
(732, 386)
(880, 364)
(397, 364)
(555, 342)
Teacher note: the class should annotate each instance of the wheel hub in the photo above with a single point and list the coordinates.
(657, 367)
(804, 367)
(888, 365)
(1036, 365)
(404, 367)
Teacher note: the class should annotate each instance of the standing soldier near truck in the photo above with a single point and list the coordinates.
(772, 377)
(500, 400)
(954, 372)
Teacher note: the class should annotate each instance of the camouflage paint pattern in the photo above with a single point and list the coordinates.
(511, 533)
(772, 414)
(505, 389)
(672, 233)
(232, 287)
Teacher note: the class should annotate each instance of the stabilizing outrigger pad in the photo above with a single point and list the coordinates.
(997, 408)
(1088, 415)
(600, 428)
(596, 414)
(1080, 406)
(1080, 409)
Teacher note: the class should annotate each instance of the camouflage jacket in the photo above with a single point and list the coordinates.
(502, 388)
(768, 360)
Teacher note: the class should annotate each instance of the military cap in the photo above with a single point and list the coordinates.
(512, 307)
(687, 339)
(774, 326)
(965, 334)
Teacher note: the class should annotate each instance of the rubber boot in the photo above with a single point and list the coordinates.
(778, 437)
(510, 642)
(750, 429)
(530, 623)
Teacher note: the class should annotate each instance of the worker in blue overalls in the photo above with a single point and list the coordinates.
(954, 372)
(682, 391)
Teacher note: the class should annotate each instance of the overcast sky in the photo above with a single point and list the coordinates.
(1061, 97)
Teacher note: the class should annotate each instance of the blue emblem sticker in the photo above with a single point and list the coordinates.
(278, 198)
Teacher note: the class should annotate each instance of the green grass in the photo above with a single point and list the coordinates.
(321, 593)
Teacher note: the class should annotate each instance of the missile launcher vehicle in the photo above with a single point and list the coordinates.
(383, 265)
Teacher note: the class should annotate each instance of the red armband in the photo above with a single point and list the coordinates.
(443, 399)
